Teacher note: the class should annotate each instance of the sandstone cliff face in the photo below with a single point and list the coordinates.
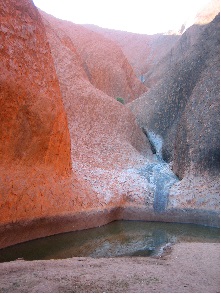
(197, 144)
(183, 108)
(105, 140)
(102, 60)
(72, 157)
(53, 165)
(34, 138)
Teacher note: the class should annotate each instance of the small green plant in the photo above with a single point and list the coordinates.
(121, 100)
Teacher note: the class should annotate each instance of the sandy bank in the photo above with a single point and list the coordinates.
(190, 267)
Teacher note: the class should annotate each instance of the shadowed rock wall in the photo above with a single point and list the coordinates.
(177, 50)
(183, 108)
(103, 61)
(142, 51)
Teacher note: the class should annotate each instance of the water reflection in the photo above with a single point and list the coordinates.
(120, 238)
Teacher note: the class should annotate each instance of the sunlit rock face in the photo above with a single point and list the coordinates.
(35, 162)
(183, 108)
(107, 145)
(66, 146)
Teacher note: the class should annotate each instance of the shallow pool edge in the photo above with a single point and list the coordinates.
(18, 232)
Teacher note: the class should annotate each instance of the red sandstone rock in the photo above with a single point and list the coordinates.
(105, 140)
(49, 72)
(35, 158)
(44, 172)
(102, 60)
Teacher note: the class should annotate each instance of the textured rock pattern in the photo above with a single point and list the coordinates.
(102, 60)
(192, 83)
(35, 160)
(183, 108)
(37, 155)
(72, 157)
(107, 145)
(200, 121)
(33, 122)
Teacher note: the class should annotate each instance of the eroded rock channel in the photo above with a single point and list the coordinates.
(158, 174)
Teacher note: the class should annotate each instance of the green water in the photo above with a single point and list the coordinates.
(119, 238)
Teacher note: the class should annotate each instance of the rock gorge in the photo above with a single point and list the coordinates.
(73, 157)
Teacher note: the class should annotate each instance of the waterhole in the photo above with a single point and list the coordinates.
(117, 239)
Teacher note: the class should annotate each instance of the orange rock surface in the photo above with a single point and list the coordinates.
(66, 146)
(105, 140)
(34, 138)
(35, 157)
(71, 156)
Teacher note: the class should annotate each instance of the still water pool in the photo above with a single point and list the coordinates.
(119, 238)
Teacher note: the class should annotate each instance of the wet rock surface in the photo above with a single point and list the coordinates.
(183, 108)
(161, 178)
